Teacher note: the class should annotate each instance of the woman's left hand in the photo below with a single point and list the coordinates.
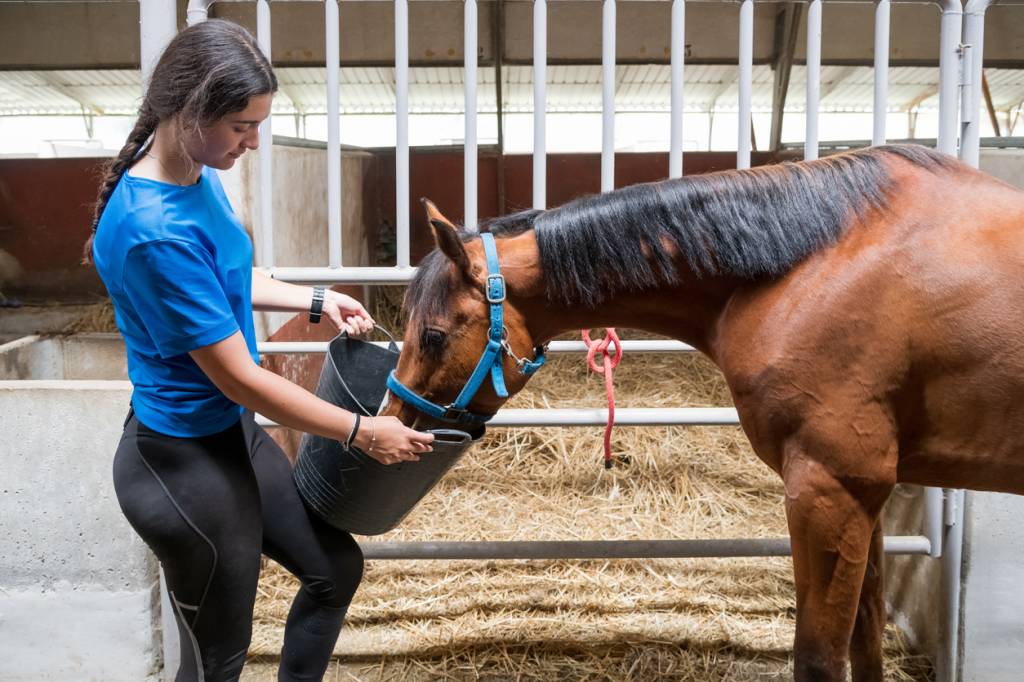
(346, 314)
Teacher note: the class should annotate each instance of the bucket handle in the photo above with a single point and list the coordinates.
(392, 346)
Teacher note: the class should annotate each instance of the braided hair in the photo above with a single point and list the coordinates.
(207, 71)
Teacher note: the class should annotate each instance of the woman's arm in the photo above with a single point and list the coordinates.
(343, 312)
(230, 367)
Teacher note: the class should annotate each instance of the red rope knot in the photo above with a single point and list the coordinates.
(608, 365)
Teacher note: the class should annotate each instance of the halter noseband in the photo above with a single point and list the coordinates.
(490, 362)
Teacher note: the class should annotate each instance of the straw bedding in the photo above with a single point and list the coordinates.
(709, 619)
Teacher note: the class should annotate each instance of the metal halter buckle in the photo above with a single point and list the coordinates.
(491, 277)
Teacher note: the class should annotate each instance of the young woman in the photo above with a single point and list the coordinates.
(203, 485)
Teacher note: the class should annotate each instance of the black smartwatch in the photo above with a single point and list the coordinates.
(317, 307)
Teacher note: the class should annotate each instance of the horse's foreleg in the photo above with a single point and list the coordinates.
(831, 521)
(866, 644)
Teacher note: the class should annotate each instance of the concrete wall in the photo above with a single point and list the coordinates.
(78, 589)
(77, 357)
(1005, 164)
(992, 619)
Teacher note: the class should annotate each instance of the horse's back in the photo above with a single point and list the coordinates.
(908, 331)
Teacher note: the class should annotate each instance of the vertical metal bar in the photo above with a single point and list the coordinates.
(881, 107)
(540, 75)
(678, 48)
(158, 22)
(813, 77)
(266, 148)
(974, 35)
(608, 96)
(402, 136)
(933, 520)
(333, 61)
(948, 659)
(949, 74)
(197, 11)
(746, 75)
(469, 47)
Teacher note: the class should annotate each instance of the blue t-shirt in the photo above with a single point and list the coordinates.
(178, 266)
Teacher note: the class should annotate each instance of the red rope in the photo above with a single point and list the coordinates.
(608, 365)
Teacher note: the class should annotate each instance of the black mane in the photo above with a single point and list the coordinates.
(750, 224)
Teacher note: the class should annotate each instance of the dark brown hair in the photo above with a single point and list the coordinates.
(207, 71)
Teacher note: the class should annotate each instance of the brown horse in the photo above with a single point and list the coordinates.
(865, 310)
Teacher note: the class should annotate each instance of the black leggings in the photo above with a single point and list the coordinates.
(208, 507)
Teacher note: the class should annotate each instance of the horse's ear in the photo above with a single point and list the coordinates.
(447, 236)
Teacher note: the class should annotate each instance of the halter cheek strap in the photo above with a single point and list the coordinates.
(490, 361)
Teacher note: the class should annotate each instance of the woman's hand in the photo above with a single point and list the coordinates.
(388, 441)
(346, 314)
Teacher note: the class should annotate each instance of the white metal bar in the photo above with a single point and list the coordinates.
(678, 49)
(607, 549)
(469, 164)
(158, 23)
(813, 78)
(947, 660)
(639, 346)
(933, 519)
(949, 75)
(266, 162)
(197, 11)
(608, 96)
(624, 416)
(333, 61)
(746, 64)
(402, 136)
(974, 35)
(360, 275)
(540, 77)
(881, 106)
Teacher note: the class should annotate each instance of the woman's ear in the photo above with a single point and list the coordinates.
(447, 237)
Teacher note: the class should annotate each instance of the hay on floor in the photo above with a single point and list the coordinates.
(708, 619)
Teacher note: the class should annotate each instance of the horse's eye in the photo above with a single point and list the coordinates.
(432, 339)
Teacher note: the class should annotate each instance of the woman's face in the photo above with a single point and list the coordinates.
(230, 137)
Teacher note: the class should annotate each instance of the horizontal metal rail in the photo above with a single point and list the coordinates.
(624, 416)
(640, 346)
(610, 549)
(346, 275)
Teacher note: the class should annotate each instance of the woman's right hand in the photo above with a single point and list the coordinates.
(389, 441)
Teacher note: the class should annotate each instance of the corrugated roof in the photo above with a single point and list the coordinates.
(366, 90)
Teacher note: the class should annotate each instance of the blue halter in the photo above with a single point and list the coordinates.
(490, 361)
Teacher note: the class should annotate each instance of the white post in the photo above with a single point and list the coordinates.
(949, 75)
(158, 23)
(333, 61)
(402, 123)
(678, 48)
(469, 47)
(813, 77)
(881, 106)
(974, 35)
(197, 11)
(746, 64)
(266, 148)
(540, 75)
(608, 96)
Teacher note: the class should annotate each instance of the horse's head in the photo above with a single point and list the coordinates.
(467, 346)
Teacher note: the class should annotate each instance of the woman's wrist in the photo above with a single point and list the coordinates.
(316, 306)
(366, 435)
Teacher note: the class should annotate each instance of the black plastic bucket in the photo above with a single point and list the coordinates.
(346, 487)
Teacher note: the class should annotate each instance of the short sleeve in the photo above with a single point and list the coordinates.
(174, 289)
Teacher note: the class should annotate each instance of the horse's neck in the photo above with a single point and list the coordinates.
(688, 311)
